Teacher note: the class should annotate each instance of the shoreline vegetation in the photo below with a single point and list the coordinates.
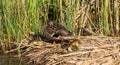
(19, 17)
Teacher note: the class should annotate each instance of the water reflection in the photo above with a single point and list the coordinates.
(8, 60)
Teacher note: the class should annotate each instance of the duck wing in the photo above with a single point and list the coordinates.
(48, 32)
(62, 30)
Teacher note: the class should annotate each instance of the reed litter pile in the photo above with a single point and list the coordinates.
(92, 51)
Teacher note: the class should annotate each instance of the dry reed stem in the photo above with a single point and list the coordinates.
(88, 53)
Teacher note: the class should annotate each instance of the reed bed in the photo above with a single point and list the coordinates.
(19, 17)
(91, 51)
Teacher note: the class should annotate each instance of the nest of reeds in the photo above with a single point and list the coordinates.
(91, 51)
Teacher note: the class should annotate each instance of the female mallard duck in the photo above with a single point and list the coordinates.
(56, 32)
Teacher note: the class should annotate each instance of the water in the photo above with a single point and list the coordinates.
(8, 60)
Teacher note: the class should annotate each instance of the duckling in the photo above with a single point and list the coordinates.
(74, 45)
(71, 45)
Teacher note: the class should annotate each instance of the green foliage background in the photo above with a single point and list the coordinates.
(19, 17)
